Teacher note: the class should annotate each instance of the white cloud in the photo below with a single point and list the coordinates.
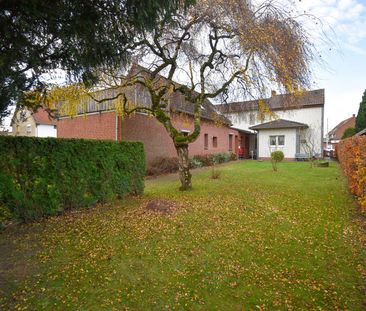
(344, 18)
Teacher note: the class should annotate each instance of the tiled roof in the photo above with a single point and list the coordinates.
(279, 124)
(139, 95)
(337, 131)
(42, 117)
(278, 102)
(180, 104)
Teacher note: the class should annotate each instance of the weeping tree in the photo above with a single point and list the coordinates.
(215, 50)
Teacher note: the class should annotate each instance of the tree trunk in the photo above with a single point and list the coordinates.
(184, 173)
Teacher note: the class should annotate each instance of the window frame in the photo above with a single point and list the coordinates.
(275, 140)
(214, 142)
(205, 141)
(278, 140)
(231, 142)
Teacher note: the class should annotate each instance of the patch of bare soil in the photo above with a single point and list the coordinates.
(163, 207)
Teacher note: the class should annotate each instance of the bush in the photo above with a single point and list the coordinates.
(349, 132)
(215, 174)
(163, 165)
(44, 176)
(195, 163)
(205, 160)
(351, 154)
(211, 159)
(276, 157)
(233, 156)
(222, 157)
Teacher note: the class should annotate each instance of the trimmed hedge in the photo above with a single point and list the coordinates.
(351, 154)
(44, 176)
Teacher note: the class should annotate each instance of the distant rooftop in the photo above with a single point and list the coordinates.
(279, 124)
(305, 99)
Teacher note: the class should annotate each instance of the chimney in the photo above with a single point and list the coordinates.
(353, 115)
(273, 93)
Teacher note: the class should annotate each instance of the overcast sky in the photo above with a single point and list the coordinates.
(344, 76)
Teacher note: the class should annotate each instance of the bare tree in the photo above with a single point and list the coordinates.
(308, 144)
(215, 49)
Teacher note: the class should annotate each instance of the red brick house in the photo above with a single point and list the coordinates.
(101, 121)
(335, 135)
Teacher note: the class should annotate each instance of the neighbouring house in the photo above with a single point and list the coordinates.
(292, 123)
(334, 136)
(36, 124)
(101, 121)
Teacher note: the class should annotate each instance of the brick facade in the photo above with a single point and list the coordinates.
(92, 126)
(147, 129)
(158, 143)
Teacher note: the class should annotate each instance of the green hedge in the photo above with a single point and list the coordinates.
(44, 176)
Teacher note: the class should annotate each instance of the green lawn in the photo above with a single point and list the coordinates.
(253, 239)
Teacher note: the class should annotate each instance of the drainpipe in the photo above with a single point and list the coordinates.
(116, 127)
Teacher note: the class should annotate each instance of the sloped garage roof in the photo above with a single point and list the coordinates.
(279, 124)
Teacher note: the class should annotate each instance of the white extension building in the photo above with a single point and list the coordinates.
(292, 123)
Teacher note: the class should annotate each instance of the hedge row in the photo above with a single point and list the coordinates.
(351, 154)
(44, 176)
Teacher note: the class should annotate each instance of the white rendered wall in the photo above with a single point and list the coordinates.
(264, 148)
(313, 117)
(46, 130)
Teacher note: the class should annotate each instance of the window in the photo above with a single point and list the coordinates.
(206, 142)
(272, 140)
(230, 142)
(281, 140)
(29, 128)
(214, 142)
(277, 140)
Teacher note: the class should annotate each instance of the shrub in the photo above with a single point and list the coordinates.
(349, 132)
(162, 165)
(195, 163)
(44, 176)
(221, 157)
(211, 159)
(351, 154)
(206, 160)
(233, 156)
(215, 174)
(276, 157)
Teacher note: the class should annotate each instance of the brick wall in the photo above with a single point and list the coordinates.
(158, 143)
(93, 126)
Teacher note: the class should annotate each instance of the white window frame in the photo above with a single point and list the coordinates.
(277, 140)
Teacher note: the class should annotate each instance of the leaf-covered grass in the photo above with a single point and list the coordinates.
(253, 239)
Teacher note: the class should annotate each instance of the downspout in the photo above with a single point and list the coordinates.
(256, 144)
(322, 133)
(116, 127)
